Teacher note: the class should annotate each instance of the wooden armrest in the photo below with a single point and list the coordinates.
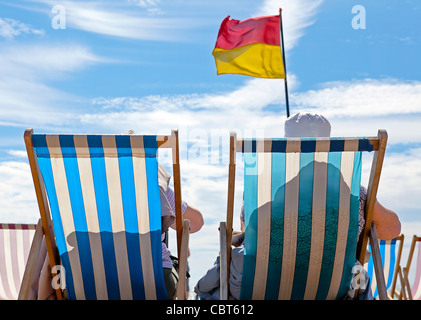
(182, 261)
(223, 276)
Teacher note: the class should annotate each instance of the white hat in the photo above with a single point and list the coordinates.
(302, 125)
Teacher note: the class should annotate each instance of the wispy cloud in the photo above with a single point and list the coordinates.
(25, 96)
(145, 3)
(245, 107)
(45, 60)
(152, 6)
(401, 179)
(11, 28)
(259, 104)
(17, 193)
(369, 97)
(138, 20)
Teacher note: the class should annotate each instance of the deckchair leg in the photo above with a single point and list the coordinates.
(29, 274)
(182, 261)
(406, 282)
(393, 290)
(377, 261)
(402, 295)
(223, 276)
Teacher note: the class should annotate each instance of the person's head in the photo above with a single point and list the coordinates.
(305, 125)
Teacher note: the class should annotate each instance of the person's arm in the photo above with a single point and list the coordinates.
(207, 285)
(195, 217)
(387, 222)
(189, 213)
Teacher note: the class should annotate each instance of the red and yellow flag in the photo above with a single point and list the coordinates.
(250, 47)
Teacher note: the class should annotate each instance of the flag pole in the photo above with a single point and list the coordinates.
(283, 58)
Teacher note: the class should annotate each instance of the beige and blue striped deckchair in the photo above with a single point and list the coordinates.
(411, 289)
(103, 214)
(390, 252)
(301, 206)
(15, 245)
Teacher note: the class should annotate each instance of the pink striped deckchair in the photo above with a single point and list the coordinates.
(412, 291)
(15, 245)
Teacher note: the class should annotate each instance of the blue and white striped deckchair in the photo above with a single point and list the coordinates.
(104, 203)
(391, 252)
(301, 205)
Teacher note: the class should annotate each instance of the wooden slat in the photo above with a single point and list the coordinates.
(223, 261)
(377, 262)
(404, 278)
(411, 251)
(230, 200)
(182, 261)
(177, 189)
(41, 195)
(401, 239)
(407, 286)
(373, 184)
(403, 282)
(164, 141)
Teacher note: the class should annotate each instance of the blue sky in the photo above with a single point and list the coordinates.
(147, 65)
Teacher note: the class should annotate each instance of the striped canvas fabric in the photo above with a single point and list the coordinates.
(388, 257)
(104, 201)
(15, 244)
(301, 204)
(416, 287)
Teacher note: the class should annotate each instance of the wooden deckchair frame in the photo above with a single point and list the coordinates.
(406, 290)
(379, 147)
(31, 264)
(182, 227)
(393, 291)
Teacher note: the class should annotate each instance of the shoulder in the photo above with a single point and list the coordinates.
(163, 177)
